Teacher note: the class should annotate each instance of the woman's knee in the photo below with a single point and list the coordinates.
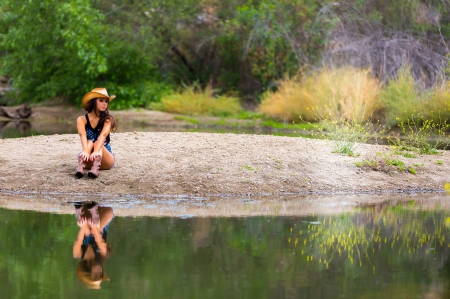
(108, 160)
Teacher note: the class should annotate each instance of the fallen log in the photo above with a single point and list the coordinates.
(22, 111)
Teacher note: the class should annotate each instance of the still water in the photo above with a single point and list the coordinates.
(377, 251)
(18, 129)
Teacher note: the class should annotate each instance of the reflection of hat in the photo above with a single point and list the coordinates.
(85, 276)
(99, 92)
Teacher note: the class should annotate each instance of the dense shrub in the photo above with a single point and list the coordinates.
(139, 95)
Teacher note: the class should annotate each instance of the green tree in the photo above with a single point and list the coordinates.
(51, 48)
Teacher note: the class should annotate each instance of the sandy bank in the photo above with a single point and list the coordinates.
(209, 165)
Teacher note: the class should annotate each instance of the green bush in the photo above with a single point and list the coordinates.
(142, 95)
(400, 97)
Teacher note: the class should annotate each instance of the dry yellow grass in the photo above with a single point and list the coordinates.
(192, 101)
(348, 93)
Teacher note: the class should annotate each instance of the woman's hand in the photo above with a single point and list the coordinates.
(82, 222)
(84, 155)
(94, 155)
(94, 224)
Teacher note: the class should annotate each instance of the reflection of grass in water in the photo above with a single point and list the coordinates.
(16, 133)
(361, 238)
(293, 126)
(186, 118)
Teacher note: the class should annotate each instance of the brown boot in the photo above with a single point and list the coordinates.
(79, 212)
(94, 172)
(80, 168)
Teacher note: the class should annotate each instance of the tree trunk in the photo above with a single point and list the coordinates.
(22, 111)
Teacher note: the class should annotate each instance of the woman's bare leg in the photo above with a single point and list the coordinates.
(107, 159)
(106, 214)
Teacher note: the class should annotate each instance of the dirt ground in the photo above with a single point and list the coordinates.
(202, 164)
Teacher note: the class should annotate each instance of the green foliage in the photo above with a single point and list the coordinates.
(51, 48)
(65, 48)
(412, 170)
(405, 152)
(381, 162)
(245, 114)
(399, 14)
(395, 162)
(273, 42)
(187, 119)
(142, 95)
(141, 50)
(422, 135)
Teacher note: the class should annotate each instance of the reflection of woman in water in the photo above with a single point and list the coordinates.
(90, 245)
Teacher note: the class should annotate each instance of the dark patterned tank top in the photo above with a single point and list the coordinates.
(93, 133)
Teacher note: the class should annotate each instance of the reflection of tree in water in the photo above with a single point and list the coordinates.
(201, 236)
(15, 128)
(391, 235)
(238, 257)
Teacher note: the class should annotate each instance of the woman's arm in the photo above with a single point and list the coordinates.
(81, 127)
(101, 244)
(76, 249)
(101, 139)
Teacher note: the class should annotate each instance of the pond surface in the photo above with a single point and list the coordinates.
(376, 251)
(17, 129)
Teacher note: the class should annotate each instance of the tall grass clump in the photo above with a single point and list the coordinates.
(331, 92)
(400, 97)
(436, 106)
(289, 102)
(347, 133)
(194, 101)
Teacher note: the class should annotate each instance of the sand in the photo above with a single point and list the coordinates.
(203, 164)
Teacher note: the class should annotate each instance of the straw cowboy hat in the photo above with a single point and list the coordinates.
(99, 92)
(91, 283)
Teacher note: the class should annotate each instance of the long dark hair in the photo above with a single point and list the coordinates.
(104, 115)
